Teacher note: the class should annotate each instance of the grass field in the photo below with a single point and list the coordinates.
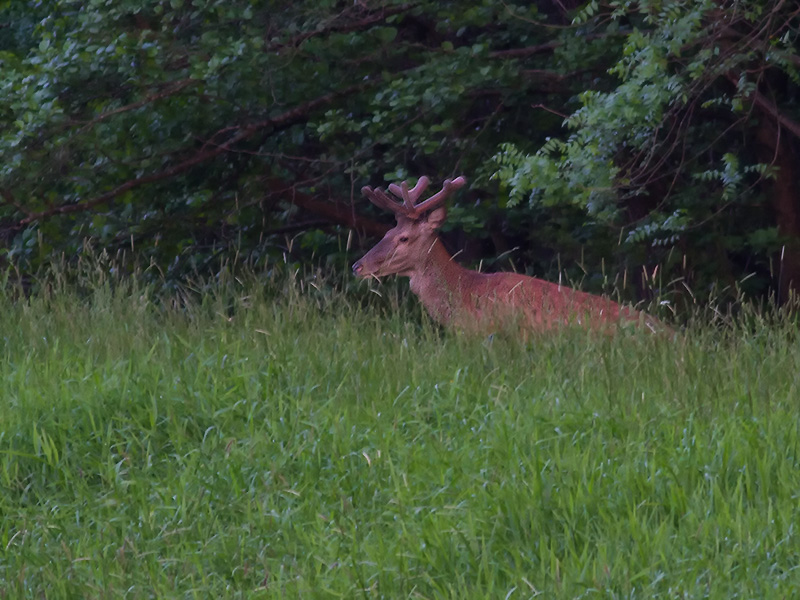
(288, 443)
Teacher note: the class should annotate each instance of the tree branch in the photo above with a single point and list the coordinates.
(375, 17)
(331, 210)
(768, 107)
(174, 88)
(538, 49)
(9, 198)
(206, 153)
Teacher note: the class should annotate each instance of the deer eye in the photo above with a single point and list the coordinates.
(404, 238)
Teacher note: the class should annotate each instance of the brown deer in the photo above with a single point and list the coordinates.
(469, 300)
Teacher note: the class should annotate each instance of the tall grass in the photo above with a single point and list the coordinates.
(281, 441)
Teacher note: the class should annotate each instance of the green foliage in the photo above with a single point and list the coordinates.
(665, 153)
(185, 131)
(154, 127)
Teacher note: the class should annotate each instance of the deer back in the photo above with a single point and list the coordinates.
(466, 299)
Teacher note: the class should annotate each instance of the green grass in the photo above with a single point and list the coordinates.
(268, 443)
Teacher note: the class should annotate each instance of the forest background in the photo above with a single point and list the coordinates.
(648, 148)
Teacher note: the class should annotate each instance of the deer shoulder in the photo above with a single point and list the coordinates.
(464, 298)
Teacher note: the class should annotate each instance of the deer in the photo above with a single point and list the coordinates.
(468, 300)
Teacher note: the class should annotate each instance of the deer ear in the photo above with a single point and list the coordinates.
(436, 218)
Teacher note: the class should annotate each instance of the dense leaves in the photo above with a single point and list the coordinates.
(693, 145)
(186, 130)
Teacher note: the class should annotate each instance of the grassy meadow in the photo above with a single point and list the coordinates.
(283, 441)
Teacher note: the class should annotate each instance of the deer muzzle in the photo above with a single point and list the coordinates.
(366, 266)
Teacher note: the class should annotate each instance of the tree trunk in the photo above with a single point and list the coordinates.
(777, 148)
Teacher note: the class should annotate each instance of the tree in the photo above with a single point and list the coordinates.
(692, 145)
(181, 129)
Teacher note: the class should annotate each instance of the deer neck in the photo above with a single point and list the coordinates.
(438, 282)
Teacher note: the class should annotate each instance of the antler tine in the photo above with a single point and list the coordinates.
(408, 201)
(409, 207)
(434, 201)
(380, 199)
(414, 193)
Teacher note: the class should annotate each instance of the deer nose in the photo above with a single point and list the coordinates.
(357, 267)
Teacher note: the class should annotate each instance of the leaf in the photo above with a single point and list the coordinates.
(386, 34)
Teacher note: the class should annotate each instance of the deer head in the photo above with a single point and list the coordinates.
(404, 247)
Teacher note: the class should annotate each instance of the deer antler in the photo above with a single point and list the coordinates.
(410, 197)
(379, 198)
(411, 208)
(438, 199)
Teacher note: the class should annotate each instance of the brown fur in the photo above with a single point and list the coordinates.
(482, 302)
